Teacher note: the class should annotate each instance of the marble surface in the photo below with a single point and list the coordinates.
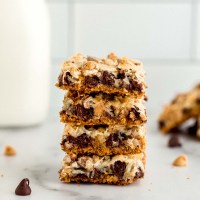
(39, 156)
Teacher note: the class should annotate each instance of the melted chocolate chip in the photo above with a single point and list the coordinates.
(91, 81)
(116, 139)
(134, 85)
(100, 126)
(107, 78)
(174, 141)
(23, 188)
(67, 78)
(83, 140)
(121, 74)
(82, 112)
(118, 169)
(135, 111)
(96, 174)
(109, 97)
(81, 176)
(139, 174)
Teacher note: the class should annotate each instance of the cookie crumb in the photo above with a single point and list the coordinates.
(9, 151)
(181, 161)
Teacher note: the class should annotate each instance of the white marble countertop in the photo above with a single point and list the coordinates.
(39, 156)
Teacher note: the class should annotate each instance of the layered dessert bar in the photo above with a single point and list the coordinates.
(183, 107)
(118, 169)
(101, 108)
(109, 75)
(103, 139)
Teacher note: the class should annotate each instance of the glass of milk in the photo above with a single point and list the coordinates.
(24, 62)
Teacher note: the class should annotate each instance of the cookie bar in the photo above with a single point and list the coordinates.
(183, 107)
(101, 108)
(119, 169)
(109, 75)
(103, 139)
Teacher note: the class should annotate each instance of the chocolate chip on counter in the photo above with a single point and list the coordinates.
(174, 141)
(91, 81)
(121, 74)
(23, 189)
(139, 174)
(134, 85)
(118, 169)
(83, 140)
(67, 78)
(107, 78)
(82, 112)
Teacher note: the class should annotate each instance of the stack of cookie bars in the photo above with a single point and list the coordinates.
(104, 115)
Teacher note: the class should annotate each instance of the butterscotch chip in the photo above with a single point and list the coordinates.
(9, 151)
(181, 161)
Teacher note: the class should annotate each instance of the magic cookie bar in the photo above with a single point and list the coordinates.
(183, 107)
(101, 108)
(109, 75)
(103, 139)
(119, 169)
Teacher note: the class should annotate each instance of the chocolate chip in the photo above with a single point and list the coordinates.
(23, 188)
(100, 126)
(134, 85)
(161, 124)
(109, 97)
(60, 79)
(91, 81)
(107, 78)
(81, 176)
(135, 111)
(121, 74)
(67, 78)
(83, 140)
(96, 174)
(116, 139)
(62, 112)
(174, 141)
(139, 174)
(82, 112)
(118, 169)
